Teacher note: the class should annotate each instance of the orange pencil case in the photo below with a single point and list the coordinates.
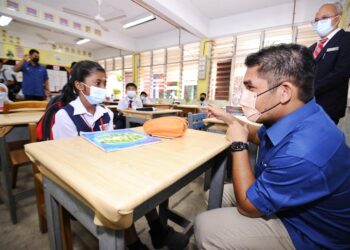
(168, 126)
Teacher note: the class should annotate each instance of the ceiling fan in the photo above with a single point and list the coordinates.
(99, 19)
(53, 43)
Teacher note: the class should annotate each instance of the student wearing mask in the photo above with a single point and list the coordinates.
(298, 195)
(82, 112)
(202, 98)
(332, 56)
(130, 101)
(35, 85)
(143, 97)
(81, 98)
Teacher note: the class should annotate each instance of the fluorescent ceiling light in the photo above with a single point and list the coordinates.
(138, 21)
(5, 20)
(82, 41)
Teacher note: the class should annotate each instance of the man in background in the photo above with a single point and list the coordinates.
(35, 85)
(332, 55)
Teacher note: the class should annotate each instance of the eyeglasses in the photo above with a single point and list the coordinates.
(321, 19)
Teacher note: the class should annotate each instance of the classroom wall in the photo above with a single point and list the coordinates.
(243, 22)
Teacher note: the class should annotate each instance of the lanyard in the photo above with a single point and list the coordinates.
(91, 128)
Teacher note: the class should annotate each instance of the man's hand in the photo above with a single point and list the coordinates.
(25, 57)
(237, 132)
(219, 113)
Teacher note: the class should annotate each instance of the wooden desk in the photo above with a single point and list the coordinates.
(140, 117)
(189, 109)
(159, 105)
(14, 127)
(107, 192)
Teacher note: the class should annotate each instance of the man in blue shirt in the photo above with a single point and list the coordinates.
(299, 194)
(35, 84)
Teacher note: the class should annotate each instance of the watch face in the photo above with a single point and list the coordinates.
(239, 146)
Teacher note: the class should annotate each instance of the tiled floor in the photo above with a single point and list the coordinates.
(189, 201)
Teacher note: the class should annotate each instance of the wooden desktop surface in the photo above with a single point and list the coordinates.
(20, 118)
(114, 184)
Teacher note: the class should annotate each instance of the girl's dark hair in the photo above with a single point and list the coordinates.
(143, 93)
(80, 71)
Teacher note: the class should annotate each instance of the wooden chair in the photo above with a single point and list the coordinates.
(195, 121)
(18, 158)
(23, 106)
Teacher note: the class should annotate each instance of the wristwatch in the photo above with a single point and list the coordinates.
(239, 146)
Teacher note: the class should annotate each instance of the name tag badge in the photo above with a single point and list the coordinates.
(104, 127)
(332, 49)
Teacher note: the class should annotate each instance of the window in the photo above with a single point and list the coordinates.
(222, 53)
(145, 72)
(115, 77)
(306, 36)
(173, 70)
(128, 77)
(190, 70)
(158, 74)
(102, 63)
(278, 36)
(246, 44)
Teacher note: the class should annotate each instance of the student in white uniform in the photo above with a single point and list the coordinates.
(202, 98)
(130, 101)
(144, 97)
(81, 98)
(81, 111)
(4, 93)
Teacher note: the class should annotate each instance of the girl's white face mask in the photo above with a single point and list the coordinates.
(248, 103)
(97, 95)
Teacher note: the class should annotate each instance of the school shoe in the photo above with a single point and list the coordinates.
(168, 237)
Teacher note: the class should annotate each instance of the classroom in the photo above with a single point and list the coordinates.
(174, 124)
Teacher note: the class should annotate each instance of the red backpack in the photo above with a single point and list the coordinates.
(44, 127)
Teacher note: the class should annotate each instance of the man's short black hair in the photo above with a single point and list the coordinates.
(286, 62)
(32, 51)
(143, 93)
(130, 84)
(203, 94)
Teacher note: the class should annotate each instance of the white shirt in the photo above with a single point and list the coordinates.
(65, 127)
(124, 103)
(203, 103)
(6, 75)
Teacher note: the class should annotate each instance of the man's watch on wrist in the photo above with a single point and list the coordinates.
(239, 146)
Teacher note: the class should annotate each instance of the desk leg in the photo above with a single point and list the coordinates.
(111, 239)
(5, 180)
(127, 122)
(163, 215)
(217, 181)
(53, 218)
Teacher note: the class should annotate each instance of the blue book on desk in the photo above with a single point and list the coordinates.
(119, 139)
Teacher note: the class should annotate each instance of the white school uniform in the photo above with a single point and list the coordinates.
(65, 127)
(124, 103)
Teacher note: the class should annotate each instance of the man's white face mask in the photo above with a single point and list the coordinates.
(248, 103)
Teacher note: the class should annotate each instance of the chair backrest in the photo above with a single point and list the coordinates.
(25, 106)
(195, 121)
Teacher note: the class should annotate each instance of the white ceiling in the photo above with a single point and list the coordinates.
(48, 36)
(222, 8)
(110, 7)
